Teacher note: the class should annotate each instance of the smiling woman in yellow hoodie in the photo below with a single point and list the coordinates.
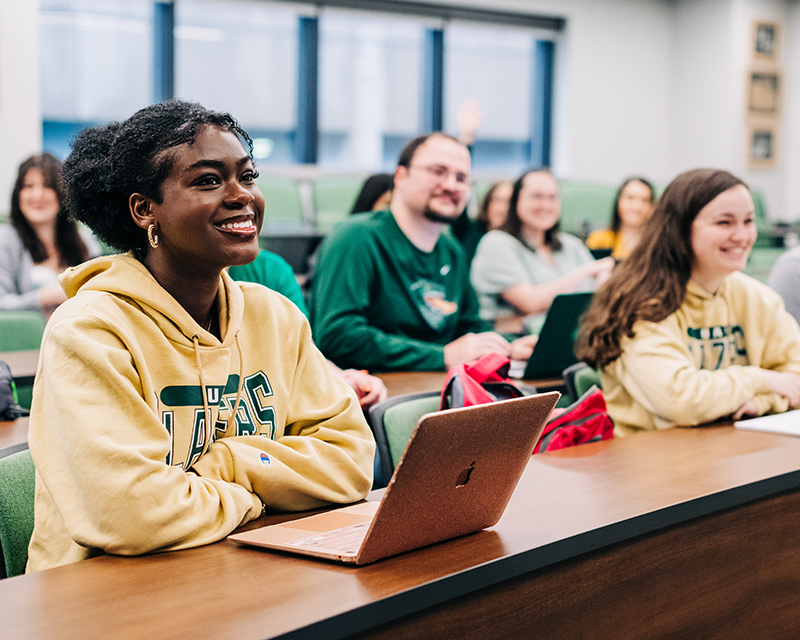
(172, 404)
(681, 335)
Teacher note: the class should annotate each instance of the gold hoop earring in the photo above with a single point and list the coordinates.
(152, 238)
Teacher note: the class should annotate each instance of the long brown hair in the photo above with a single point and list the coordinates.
(513, 223)
(651, 283)
(69, 243)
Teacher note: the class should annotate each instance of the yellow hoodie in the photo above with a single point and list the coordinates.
(125, 463)
(705, 360)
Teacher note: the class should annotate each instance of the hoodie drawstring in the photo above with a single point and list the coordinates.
(206, 408)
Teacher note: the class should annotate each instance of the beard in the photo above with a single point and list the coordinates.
(434, 216)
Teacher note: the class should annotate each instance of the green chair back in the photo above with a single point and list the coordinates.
(17, 480)
(585, 206)
(21, 331)
(763, 225)
(393, 421)
(585, 379)
(333, 197)
(283, 204)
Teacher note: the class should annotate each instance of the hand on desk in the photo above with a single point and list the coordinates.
(522, 348)
(786, 384)
(472, 346)
(369, 389)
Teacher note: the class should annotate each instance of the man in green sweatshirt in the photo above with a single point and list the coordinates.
(391, 291)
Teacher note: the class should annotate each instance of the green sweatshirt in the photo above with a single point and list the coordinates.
(126, 461)
(274, 273)
(380, 303)
(705, 360)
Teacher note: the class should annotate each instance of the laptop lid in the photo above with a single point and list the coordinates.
(555, 349)
(456, 477)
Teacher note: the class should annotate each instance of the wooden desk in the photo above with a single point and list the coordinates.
(23, 363)
(402, 382)
(13, 433)
(680, 534)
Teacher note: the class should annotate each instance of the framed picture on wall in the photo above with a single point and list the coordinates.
(763, 93)
(765, 40)
(761, 150)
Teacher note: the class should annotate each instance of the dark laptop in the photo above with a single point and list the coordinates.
(554, 351)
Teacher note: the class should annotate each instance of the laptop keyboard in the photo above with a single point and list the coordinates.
(346, 540)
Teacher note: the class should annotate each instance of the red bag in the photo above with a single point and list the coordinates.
(586, 420)
(478, 382)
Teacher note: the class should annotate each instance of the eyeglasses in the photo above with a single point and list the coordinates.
(440, 172)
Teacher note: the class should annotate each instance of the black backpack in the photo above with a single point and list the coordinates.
(9, 409)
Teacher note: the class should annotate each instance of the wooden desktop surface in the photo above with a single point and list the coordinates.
(402, 382)
(678, 533)
(13, 433)
(23, 363)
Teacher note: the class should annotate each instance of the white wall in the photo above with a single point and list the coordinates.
(20, 117)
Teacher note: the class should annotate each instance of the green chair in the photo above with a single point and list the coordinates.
(21, 331)
(764, 239)
(17, 480)
(283, 204)
(585, 379)
(333, 197)
(578, 379)
(585, 206)
(392, 422)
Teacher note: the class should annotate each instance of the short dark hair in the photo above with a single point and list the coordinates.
(513, 224)
(372, 189)
(69, 243)
(111, 162)
(407, 154)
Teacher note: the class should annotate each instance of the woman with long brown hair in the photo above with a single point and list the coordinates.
(41, 241)
(681, 336)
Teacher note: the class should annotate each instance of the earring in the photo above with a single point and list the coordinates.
(151, 237)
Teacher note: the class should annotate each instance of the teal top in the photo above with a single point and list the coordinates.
(378, 302)
(274, 273)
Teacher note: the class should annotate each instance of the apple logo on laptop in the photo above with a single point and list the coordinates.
(463, 477)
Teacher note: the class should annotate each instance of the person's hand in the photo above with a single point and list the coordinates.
(522, 348)
(52, 295)
(786, 384)
(469, 119)
(474, 345)
(603, 269)
(749, 409)
(369, 389)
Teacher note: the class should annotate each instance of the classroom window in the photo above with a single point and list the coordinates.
(369, 88)
(241, 57)
(96, 64)
(492, 68)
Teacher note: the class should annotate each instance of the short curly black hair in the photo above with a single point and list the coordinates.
(111, 162)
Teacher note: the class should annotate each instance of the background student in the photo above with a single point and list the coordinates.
(375, 194)
(391, 290)
(633, 206)
(41, 240)
(172, 404)
(519, 268)
(681, 335)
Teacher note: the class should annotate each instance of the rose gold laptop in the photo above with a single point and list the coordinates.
(456, 477)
